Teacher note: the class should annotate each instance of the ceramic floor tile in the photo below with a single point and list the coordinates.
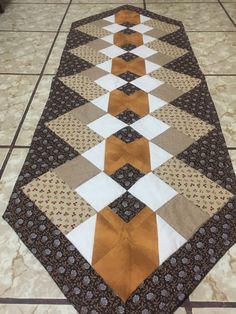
(215, 51)
(37, 309)
(10, 175)
(3, 153)
(77, 12)
(213, 311)
(30, 58)
(231, 9)
(35, 111)
(38, 1)
(172, 1)
(37, 17)
(54, 59)
(180, 310)
(195, 16)
(232, 154)
(21, 275)
(15, 91)
(118, 2)
(223, 92)
(220, 283)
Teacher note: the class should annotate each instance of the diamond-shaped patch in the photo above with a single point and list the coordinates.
(127, 206)
(128, 47)
(128, 116)
(128, 89)
(129, 76)
(127, 175)
(128, 56)
(127, 134)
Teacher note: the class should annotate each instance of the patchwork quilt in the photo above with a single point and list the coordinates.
(127, 193)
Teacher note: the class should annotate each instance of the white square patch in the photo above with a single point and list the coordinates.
(114, 28)
(106, 125)
(147, 83)
(110, 82)
(141, 28)
(102, 101)
(113, 51)
(100, 191)
(143, 51)
(158, 156)
(152, 191)
(149, 127)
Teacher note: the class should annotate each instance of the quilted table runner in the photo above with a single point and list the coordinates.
(127, 193)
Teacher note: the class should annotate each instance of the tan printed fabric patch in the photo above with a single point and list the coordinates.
(183, 121)
(83, 85)
(74, 132)
(203, 192)
(169, 28)
(65, 208)
(167, 49)
(89, 54)
(178, 80)
(93, 30)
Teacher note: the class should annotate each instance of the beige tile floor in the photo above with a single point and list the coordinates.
(32, 36)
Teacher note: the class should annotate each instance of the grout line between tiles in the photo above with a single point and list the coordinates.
(188, 309)
(231, 148)
(28, 31)
(34, 301)
(213, 304)
(174, 2)
(14, 146)
(144, 5)
(226, 12)
(223, 74)
(29, 74)
(209, 31)
(32, 96)
(188, 305)
(53, 74)
(66, 3)
(48, 3)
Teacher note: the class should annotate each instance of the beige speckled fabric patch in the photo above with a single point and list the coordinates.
(89, 54)
(74, 132)
(183, 121)
(162, 25)
(166, 49)
(65, 208)
(202, 191)
(178, 80)
(83, 86)
(93, 30)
